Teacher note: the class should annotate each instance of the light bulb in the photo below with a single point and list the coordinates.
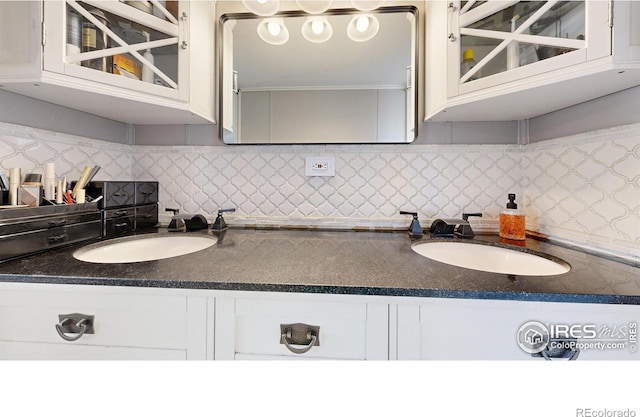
(261, 1)
(362, 24)
(317, 27)
(274, 28)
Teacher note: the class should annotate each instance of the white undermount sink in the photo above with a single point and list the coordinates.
(143, 248)
(490, 258)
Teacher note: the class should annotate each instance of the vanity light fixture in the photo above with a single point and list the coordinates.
(317, 29)
(273, 31)
(367, 5)
(314, 6)
(363, 27)
(262, 7)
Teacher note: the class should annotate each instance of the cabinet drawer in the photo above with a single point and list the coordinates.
(345, 330)
(117, 221)
(114, 193)
(119, 193)
(146, 216)
(119, 320)
(40, 240)
(146, 192)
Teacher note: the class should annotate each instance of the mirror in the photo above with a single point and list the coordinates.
(289, 89)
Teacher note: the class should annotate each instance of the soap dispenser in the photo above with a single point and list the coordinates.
(512, 221)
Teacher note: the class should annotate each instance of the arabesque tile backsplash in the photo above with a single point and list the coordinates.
(583, 189)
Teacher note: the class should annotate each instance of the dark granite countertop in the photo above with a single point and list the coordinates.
(335, 262)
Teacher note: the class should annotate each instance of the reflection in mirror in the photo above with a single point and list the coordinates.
(341, 77)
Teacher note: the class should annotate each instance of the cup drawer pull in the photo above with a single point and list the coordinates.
(299, 334)
(76, 324)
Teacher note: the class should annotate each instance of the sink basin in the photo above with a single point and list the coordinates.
(143, 248)
(490, 258)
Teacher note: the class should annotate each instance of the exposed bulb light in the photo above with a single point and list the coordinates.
(317, 29)
(367, 5)
(314, 6)
(262, 7)
(362, 28)
(273, 31)
(362, 24)
(274, 28)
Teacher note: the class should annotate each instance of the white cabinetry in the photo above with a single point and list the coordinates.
(91, 55)
(126, 323)
(531, 57)
(444, 329)
(260, 325)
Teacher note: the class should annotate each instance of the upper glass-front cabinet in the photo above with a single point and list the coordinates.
(512, 60)
(121, 44)
(503, 38)
(492, 41)
(139, 62)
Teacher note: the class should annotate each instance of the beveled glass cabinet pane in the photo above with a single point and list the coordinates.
(500, 36)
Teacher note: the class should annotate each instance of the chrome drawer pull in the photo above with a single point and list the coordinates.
(299, 334)
(78, 324)
(58, 223)
(58, 238)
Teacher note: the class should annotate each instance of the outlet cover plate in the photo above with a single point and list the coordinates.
(320, 166)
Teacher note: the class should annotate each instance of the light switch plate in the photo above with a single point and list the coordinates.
(320, 166)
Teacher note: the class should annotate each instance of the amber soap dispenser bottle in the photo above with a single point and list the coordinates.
(512, 221)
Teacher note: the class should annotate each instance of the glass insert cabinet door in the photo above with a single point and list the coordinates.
(495, 42)
(133, 45)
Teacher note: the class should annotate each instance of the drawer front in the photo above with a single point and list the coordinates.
(49, 222)
(146, 192)
(118, 221)
(343, 330)
(119, 320)
(13, 246)
(119, 193)
(146, 216)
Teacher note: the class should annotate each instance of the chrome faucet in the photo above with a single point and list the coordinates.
(454, 227)
(177, 222)
(186, 222)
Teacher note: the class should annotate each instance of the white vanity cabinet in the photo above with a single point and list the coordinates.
(461, 329)
(300, 326)
(530, 57)
(93, 56)
(124, 323)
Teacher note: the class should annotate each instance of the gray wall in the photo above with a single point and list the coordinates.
(613, 110)
(21, 110)
(609, 111)
(428, 133)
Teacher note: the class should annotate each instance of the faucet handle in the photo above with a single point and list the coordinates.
(414, 228)
(465, 216)
(219, 223)
(175, 211)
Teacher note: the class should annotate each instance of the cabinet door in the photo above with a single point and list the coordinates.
(444, 329)
(20, 39)
(124, 323)
(300, 326)
(106, 42)
(514, 40)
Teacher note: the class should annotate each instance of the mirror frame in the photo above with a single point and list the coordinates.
(298, 13)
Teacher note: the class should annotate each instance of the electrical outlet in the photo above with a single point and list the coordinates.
(320, 166)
